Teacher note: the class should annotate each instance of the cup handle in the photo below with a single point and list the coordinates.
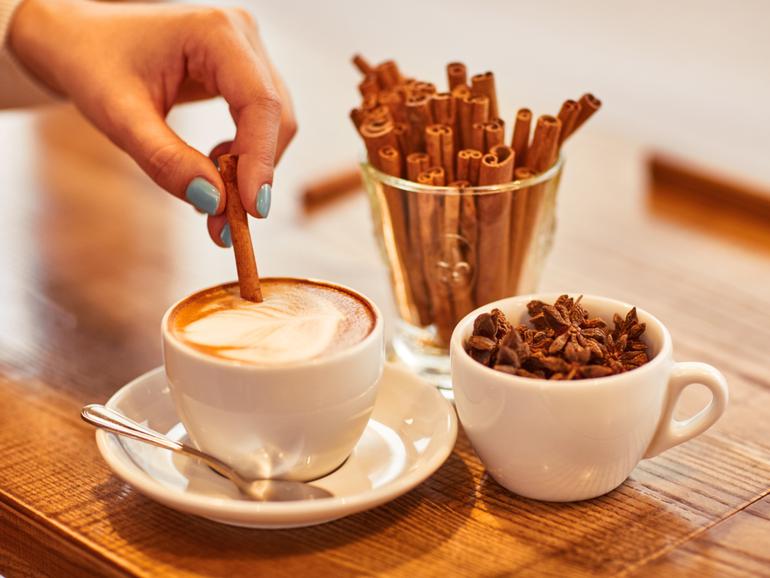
(672, 432)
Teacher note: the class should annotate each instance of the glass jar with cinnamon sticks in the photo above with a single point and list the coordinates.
(462, 218)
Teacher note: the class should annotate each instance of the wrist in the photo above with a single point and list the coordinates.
(36, 38)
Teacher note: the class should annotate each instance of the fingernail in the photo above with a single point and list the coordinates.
(203, 195)
(263, 200)
(225, 237)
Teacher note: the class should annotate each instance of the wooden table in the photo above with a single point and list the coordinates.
(92, 254)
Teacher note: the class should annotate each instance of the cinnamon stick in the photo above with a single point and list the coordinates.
(456, 74)
(494, 134)
(377, 134)
(589, 104)
(480, 109)
(369, 87)
(568, 115)
(520, 141)
(541, 156)
(361, 64)
(416, 164)
(477, 136)
(327, 188)
(471, 162)
(518, 216)
(431, 219)
(494, 221)
(407, 287)
(484, 85)
(388, 74)
(246, 265)
(419, 116)
(443, 108)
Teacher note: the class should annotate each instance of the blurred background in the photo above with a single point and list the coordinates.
(689, 78)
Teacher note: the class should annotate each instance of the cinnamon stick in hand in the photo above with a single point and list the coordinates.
(248, 278)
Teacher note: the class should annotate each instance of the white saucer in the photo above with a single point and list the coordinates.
(411, 433)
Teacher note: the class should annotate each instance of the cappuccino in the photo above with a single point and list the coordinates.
(298, 320)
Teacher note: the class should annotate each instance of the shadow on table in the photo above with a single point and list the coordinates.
(377, 540)
(603, 536)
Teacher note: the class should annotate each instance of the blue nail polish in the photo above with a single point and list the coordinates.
(203, 195)
(263, 200)
(225, 236)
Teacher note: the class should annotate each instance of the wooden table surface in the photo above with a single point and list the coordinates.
(92, 254)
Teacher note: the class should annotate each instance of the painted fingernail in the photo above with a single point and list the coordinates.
(202, 195)
(263, 200)
(225, 236)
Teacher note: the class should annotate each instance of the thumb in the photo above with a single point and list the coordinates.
(169, 161)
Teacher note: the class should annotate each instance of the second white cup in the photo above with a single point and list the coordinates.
(573, 440)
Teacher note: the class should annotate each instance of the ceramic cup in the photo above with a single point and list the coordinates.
(296, 421)
(574, 440)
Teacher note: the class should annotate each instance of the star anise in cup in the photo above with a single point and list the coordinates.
(562, 342)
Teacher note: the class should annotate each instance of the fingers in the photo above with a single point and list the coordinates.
(138, 128)
(244, 80)
(219, 231)
(288, 128)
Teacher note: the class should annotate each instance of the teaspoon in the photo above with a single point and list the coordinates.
(258, 490)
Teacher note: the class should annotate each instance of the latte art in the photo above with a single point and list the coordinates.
(298, 320)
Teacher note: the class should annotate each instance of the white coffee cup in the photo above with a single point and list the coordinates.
(574, 440)
(294, 421)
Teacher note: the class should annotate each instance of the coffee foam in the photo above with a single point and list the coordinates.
(298, 320)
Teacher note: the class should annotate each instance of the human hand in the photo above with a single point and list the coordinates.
(125, 65)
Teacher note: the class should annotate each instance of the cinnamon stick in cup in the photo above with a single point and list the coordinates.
(388, 74)
(459, 271)
(431, 218)
(377, 134)
(589, 104)
(518, 216)
(416, 164)
(419, 116)
(484, 85)
(521, 130)
(470, 160)
(494, 222)
(568, 115)
(541, 156)
(456, 74)
(494, 134)
(407, 287)
(362, 64)
(246, 265)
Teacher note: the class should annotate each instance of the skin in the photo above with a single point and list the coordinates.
(125, 65)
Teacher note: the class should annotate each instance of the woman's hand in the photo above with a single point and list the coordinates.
(126, 65)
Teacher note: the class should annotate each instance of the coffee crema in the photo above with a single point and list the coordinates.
(297, 320)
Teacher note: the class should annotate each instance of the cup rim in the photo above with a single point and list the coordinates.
(407, 185)
(665, 351)
(170, 339)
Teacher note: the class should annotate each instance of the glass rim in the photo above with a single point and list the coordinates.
(407, 185)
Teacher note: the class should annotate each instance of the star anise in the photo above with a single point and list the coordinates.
(623, 354)
(574, 332)
(562, 343)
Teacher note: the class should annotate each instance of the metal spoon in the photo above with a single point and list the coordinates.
(258, 490)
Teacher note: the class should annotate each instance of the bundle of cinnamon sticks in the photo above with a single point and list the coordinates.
(455, 249)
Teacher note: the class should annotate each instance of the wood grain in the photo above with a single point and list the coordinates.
(77, 323)
(738, 547)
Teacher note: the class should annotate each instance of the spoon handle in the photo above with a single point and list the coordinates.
(112, 421)
(117, 423)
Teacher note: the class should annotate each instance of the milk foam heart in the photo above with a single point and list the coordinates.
(298, 320)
